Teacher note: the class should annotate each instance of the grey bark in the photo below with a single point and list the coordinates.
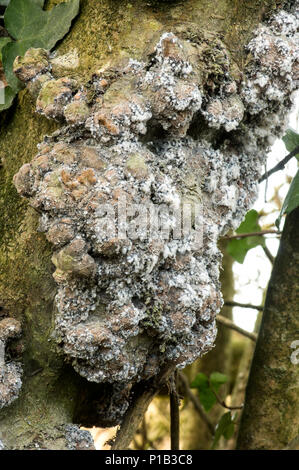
(271, 415)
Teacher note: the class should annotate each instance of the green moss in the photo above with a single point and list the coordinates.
(26, 286)
(109, 27)
(137, 166)
(21, 131)
(76, 112)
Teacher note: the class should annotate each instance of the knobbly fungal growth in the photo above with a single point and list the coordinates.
(10, 371)
(135, 291)
(78, 439)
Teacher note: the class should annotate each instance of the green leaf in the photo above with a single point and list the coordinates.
(291, 140)
(28, 21)
(206, 395)
(291, 201)
(39, 2)
(217, 379)
(238, 248)
(3, 42)
(9, 53)
(4, 3)
(225, 428)
(9, 95)
(31, 26)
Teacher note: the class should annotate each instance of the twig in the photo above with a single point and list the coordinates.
(196, 403)
(269, 255)
(252, 234)
(37, 371)
(231, 303)
(229, 324)
(280, 165)
(222, 402)
(174, 413)
(142, 398)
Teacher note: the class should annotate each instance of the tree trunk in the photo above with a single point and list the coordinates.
(52, 393)
(271, 415)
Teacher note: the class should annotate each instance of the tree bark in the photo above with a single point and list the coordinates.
(271, 415)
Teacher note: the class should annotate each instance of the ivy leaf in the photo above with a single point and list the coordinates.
(291, 201)
(206, 386)
(239, 248)
(206, 395)
(217, 379)
(38, 2)
(9, 52)
(225, 428)
(28, 21)
(7, 95)
(31, 26)
(291, 141)
(3, 42)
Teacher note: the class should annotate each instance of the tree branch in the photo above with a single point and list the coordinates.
(222, 402)
(231, 303)
(251, 234)
(269, 255)
(144, 394)
(229, 324)
(280, 165)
